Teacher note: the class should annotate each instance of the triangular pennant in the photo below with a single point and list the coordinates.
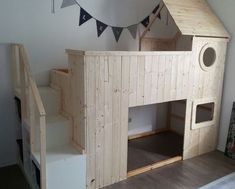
(145, 22)
(117, 31)
(156, 8)
(100, 27)
(67, 3)
(133, 30)
(84, 17)
(167, 19)
(159, 16)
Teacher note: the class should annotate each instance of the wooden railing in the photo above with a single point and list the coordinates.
(32, 109)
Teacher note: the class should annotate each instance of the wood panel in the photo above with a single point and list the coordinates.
(195, 17)
(156, 79)
(124, 116)
(73, 100)
(100, 120)
(112, 84)
(108, 122)
(204, 85)
(91, 121)
(153, 44)
(33, 112)
(133, 79)
(117, 87)
(61, 79)
(115, 81)
(154, 166)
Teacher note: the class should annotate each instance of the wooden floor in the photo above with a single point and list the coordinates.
(188, 174)
(152, 149)
(11, 177)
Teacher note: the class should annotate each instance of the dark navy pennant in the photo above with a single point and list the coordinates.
(67, 3)
(117, 31)
(156, 9)
(100, 27)
(133, 30)
(84, 17)
(145, 22)
(159, 16)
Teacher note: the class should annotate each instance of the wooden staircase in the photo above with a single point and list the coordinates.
(61, 165)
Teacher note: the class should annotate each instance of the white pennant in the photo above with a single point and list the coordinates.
(133, 30)
(67, 3)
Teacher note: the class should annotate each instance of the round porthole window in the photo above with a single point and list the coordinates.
(207, 57)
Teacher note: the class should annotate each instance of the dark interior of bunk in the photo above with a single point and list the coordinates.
(156, 133)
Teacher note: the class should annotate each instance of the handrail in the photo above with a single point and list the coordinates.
(33, 86)
(37, 97)
(30, 99)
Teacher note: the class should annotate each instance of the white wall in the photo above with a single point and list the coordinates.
(46, 35)
(8, 118)
(225, 11)
(147, 118)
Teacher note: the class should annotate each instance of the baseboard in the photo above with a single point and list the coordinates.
(145, 134)
(154, 166)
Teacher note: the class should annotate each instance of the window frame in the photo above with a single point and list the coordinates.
(194, 124)
(201, 57)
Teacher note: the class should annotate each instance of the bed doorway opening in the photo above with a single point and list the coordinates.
(155, 136)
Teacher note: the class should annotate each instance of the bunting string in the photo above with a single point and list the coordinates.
(53, 6)
(101, 26)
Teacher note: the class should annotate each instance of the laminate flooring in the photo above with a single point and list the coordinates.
(188, 174)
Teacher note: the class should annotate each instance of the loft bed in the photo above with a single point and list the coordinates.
(189, 66)
(100, 87)
(105, 84)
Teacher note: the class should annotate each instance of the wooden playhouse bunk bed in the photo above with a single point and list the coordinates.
(100, 86)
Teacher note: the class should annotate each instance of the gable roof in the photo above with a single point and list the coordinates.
(195, 17)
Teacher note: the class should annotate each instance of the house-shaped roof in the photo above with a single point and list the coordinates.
(195, 17)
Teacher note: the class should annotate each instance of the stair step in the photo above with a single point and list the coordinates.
(58, 153)
(58, 132)
(51, 100)
(66, 168)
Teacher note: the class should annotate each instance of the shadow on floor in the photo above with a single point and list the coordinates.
(152, 149)
(11, 177)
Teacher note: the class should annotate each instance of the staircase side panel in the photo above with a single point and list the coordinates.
(78, 105)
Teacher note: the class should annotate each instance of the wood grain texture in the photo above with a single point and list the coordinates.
(195, 17)
(153, 44)
(154, 166)
(112, 82)
(61, 79)
(33, 111)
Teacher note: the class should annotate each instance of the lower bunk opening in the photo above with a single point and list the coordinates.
(155, 136)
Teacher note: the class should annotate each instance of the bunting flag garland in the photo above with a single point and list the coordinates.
(159, 16)
(133, 30)
(84, 17)
(67, 3)
(117, 31)
(53, 6)
(167, 19)
(145, 22)
(101, 27)
(156, 9)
